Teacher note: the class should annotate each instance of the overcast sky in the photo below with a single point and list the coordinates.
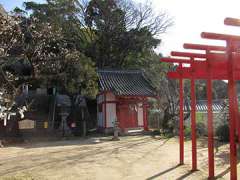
(194, 16)
(191, 18)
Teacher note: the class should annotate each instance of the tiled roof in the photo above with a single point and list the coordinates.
(201, 105)
(125, 82)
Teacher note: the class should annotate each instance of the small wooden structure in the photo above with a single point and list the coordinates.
(123, 98)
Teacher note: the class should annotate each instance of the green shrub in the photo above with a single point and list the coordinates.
(222, 132)
(201, 129)
(187, 132)
(168, 135)
(156, 132)
(200, 116)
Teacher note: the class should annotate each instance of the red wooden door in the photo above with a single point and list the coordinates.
(127, 115)
(132, 111)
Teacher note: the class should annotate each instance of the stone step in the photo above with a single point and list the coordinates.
(134, 131)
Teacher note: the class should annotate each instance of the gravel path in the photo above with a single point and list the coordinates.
(133, 157)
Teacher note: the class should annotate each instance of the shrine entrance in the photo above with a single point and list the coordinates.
(215, 63)
(127, 115)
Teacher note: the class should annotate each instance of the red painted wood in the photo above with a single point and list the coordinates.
(133, 121)
(203, 47)
(216, 36)
(232, 113)
(181, 122)
(238, 119)
(210, 131)
(145, 119)
(175, 60)
(186, 74)
(188, 54)
(123, 115)
(211, 168)
(193, 125)
(232, 124)
(232, 21)
(217, 63)
(127, 116)
(105, 110)
(219, 71)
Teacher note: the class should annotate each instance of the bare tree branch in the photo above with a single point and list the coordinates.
(143, 15)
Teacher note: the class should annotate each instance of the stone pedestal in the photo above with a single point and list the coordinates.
(64, 127)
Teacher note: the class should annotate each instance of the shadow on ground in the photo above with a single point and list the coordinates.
(69, 141)
(157, 176)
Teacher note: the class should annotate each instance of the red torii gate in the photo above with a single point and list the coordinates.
(217, 63)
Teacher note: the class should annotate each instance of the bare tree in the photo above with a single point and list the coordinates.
(143, 15)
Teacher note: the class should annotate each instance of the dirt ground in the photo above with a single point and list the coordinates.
(133, 157)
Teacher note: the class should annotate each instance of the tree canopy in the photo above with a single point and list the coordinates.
(62, 43)
(123, 31)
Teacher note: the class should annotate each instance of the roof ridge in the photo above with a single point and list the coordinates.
(120, 70)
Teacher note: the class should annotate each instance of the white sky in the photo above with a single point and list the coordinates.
(194, 16)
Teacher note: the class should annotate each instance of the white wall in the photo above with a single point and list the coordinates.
(111, 110)
(140, 114)
(111, 114)
(100, 121)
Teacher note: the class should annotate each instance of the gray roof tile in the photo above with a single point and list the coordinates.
(125, 82)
